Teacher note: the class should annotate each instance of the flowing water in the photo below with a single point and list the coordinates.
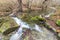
(22, 24)
(44, 34)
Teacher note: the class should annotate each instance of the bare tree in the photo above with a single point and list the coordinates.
(44, 5)
(18, 8)
(20, 5)
(29, 5)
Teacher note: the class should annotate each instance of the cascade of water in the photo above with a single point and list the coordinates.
(22, 24)
(38, 28)
(18, 34)
(25, 25)
(44, 34)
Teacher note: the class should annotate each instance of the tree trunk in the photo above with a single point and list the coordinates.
(19, 5)
(18, 8)
(44, 5)
(29, 5)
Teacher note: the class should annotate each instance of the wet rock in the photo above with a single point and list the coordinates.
(34, 35)
(10, 30)
(7, 23)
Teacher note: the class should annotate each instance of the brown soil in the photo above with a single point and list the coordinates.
(53, 24)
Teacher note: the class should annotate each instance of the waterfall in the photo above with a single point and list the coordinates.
(18, 34)
(44, 34)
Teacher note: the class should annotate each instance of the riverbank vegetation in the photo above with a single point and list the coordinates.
(44, 13)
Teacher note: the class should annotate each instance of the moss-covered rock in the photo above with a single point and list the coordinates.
(32, 19)
(7, 23)
(38, 19)
(58, 22)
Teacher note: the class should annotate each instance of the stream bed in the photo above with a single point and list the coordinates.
(35, 33)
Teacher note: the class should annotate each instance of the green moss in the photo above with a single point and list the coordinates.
(7, 23)
(33, 19)
(10, 30)
(37, 18)
(58, 22)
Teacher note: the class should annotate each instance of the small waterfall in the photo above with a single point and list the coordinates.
(18, 34)
(37, 28)
(44, 34)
